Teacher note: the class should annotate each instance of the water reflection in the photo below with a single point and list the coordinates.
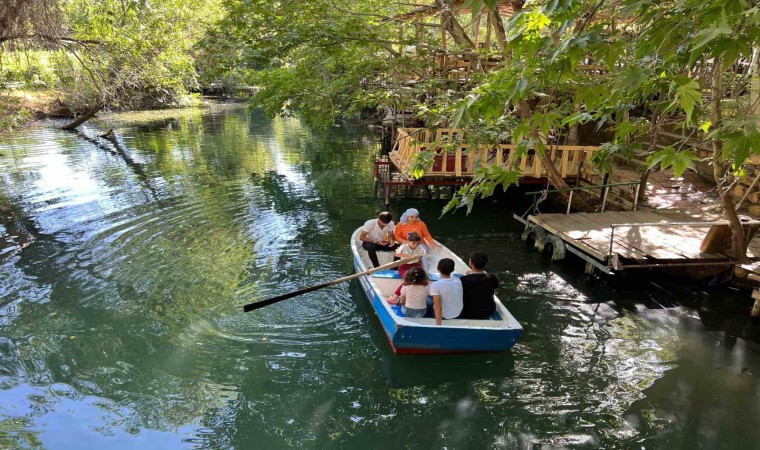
(125, 263)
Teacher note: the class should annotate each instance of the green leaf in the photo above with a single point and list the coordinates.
(476, 6)
(611, 53)
(668, 157)
(729, 50)
(737, 147)
(491, 4)
(632, 7)
(632, 78)
(687, 95)
(582, 117)
(708, 34)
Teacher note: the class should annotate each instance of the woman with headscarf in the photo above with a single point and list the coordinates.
(410, 221)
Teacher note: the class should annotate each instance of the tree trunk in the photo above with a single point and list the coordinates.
(729, 209)
(83, 118)
(451, 24)
(552, 173)
(755, 81)
(498, 27)
(653, 137)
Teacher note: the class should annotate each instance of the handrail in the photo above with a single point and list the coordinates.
(605, 187)
(582, 188)
(662, 224)
(454, 157)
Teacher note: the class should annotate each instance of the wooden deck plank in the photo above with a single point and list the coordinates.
(582, 230)
(651, 240)
(638, 241)
(567, 238)
(671, 243)
(690, 237)
(591, 232)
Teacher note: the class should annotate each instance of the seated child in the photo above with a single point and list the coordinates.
(408, 250)
(446, 292)
(414, 293)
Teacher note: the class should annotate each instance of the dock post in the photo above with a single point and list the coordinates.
(756, 307)
(387, 195)
(589, 270)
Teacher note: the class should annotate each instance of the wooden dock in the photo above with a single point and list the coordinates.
(753, 275)
(621, 240)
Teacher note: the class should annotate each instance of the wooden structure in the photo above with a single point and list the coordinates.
(453, 162)
(623, 240)
(753, 275)
(455, 158)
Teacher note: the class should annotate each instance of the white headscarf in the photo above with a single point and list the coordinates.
(407, 213)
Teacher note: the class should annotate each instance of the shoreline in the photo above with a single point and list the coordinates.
(22, 108)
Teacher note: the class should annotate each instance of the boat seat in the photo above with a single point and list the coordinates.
(382, 257)
(395, 275)
(387, 274)
(431, 315)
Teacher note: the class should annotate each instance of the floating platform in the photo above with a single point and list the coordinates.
(621, 240)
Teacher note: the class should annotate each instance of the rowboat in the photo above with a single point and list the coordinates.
(421, 335)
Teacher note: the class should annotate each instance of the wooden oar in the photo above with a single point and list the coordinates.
(279, 298)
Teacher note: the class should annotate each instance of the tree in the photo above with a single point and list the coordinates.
(661, 63)
(31, 20)
(115, 54)
(324, 59)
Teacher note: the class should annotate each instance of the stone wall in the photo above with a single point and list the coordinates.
(752, 202)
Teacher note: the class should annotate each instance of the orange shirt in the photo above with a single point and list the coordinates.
(402, 231)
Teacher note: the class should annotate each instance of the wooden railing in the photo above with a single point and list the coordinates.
(461, 159)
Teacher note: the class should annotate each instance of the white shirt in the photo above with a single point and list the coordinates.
(450, 290)
(376, 233)
(406, 250)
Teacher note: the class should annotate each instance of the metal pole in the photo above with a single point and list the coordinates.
(569, 202)
(612, 238)
(686, 264)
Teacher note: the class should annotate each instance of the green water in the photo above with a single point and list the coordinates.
(123, 270)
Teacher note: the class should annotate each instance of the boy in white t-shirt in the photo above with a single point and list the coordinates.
(446, 292)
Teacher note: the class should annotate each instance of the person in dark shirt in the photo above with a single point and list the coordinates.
(478, 289)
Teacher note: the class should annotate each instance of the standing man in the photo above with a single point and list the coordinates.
(478, 289)
(446, 292)
(377, 235)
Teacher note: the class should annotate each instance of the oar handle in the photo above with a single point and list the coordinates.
(279, 298)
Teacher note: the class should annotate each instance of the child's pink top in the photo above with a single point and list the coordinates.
(416, 295)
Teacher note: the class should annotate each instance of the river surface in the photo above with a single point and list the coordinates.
(124, 266)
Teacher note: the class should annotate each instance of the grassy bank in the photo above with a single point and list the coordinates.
(18, 107)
